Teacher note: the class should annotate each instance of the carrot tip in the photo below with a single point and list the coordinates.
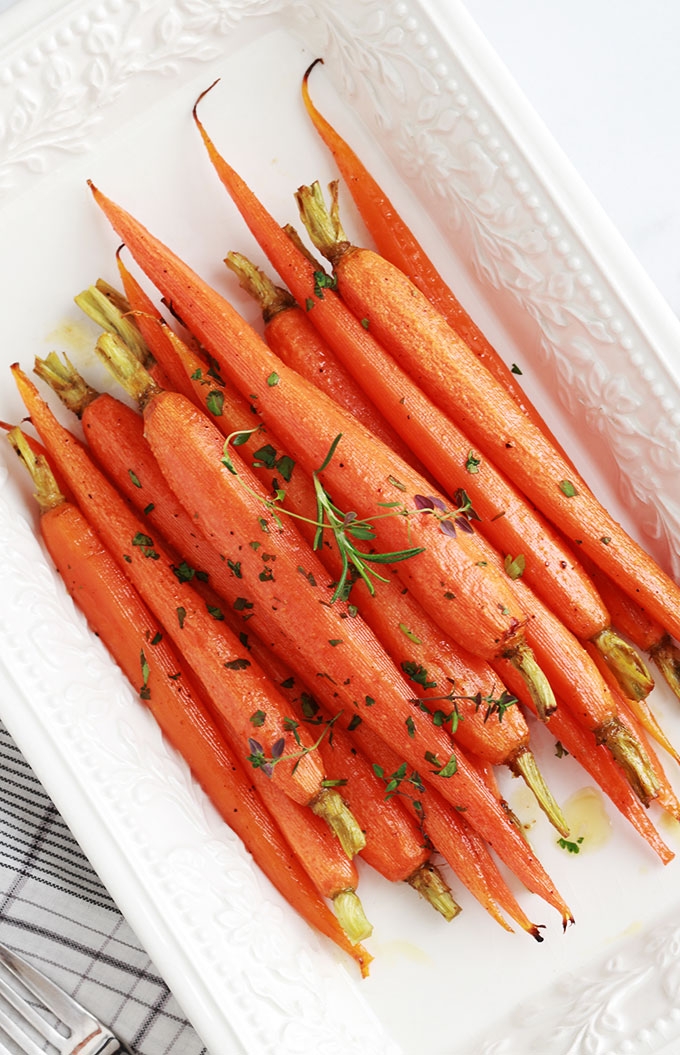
(305, 76)
(203, 95)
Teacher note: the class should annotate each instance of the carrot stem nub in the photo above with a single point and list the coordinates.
(351, 917)
(632, 757)
(666, 655)
(523, 764)
(429, 883)
(63, 378)
(523, 659)
(625, 664)
(47, 493)
(330, 805)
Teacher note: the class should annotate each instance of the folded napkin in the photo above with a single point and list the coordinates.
(55, 911)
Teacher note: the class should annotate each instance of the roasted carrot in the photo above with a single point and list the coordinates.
(639, 707)
(446, 452)
(334, 875)
(215, 655)
(584, 692)
(396, 242)
(148, 319)
(446, 828)
(394, 842)
(194, 470)
(483, 616)
(631, 619)
(352, 666)
(420, 339)
(290, 334)
(136, 641)
(598, 763)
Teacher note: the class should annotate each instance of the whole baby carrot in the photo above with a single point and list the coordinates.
(136, 641)
(214, 654)
(396, 242)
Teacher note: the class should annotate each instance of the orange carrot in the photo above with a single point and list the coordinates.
(291, 336)
(482, 614)
(583, 691)
(334, 875)
(639, 707)
(446, 828)
(134, 637)
(512, 525)
(631, 619)
(396, 242)
(353, 670)
(598, 763)
(215, 655)
(420, 339)
(148, 319)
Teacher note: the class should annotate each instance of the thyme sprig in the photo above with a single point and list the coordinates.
(259, 760)
(347, 527)
(492, 704)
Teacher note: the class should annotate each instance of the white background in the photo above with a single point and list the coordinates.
(605, 78)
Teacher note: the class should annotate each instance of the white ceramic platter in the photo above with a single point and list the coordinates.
(105, 90)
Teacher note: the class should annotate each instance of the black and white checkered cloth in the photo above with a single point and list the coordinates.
(55, 911)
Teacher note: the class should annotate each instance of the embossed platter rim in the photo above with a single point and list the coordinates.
(415, 64)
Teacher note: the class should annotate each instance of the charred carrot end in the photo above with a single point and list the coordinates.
(330, 805)
(430, 884)
(625, 664)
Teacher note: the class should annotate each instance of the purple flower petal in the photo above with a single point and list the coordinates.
(277, 748)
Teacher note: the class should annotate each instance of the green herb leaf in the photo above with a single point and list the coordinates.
(215, 403)
(567, 488)
(515, 566)
(472, 463)
(571, 847)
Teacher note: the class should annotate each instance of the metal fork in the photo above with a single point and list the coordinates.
(49, 1013)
